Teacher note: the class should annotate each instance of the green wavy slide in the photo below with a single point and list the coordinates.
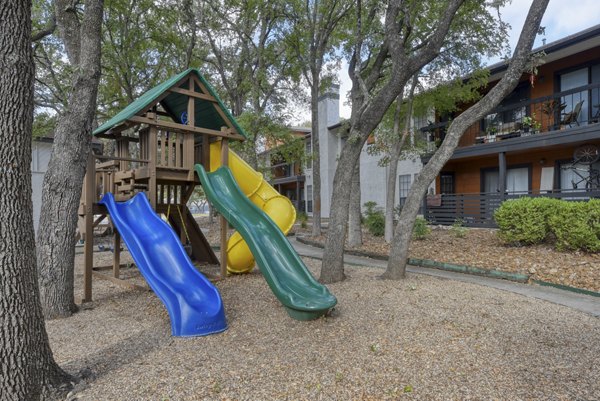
(303, 297)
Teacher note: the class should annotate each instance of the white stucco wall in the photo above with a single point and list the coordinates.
(373, 177)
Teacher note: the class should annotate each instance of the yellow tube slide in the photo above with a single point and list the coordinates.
(252, 183)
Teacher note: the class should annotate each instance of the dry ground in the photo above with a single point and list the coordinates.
(422, 338)
(482, 248)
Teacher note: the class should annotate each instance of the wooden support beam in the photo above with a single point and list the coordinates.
(88, 248)
(119, 281)
(188, 139)
(224, 224)
(152, 138)
(217, 107)
(108, 267)
(206, 152)
(194, 94)
(127, 159)
(185, 128)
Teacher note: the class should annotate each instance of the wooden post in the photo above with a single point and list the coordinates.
(88, 248)
(116, 253)
(188, 139)
(206, 152)
(152, 146)
(224, 162)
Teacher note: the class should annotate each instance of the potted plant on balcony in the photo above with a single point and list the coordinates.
(491, 132)
(530, 125)
(552, 109)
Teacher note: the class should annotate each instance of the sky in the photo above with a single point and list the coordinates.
(562, 18)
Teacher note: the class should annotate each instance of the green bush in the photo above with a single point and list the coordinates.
(576, 226)
(302, 218)
(572, 225)
(458, 228)
(524, 221)
(374, 219)
(421, 230)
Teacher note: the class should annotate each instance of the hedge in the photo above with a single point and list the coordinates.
(569, 225)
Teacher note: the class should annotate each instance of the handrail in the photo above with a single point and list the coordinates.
(524, 103)
(125, 159)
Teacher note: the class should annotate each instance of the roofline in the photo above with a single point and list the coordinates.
(553, 47)
(176, 79)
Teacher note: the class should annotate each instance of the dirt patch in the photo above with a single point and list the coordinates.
(482, 248)
(420, 338)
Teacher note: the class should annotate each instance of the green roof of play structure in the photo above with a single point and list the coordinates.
(206, 116)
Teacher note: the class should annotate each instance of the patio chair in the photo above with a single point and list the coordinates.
(573, 116)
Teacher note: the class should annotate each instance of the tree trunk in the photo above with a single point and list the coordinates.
(390, 195)
(354, 215)
(333, 257)
(211, 213)
(371, 98)
(25, 355)
(396, 268)
(316, 161)
(64, 178)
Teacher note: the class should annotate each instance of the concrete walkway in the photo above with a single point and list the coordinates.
(580, 302)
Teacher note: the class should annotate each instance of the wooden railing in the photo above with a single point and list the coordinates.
(477, 209)
(172, 150)
(571, 108)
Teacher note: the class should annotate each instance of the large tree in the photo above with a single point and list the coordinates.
(413, 34)
(522, 55)
(246, 53)
(143, 44)
(80, 33)
(26, 360)
(371, 98)
(316, 33)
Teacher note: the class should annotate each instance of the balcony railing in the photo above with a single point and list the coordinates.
(477, 209)
(575, 107)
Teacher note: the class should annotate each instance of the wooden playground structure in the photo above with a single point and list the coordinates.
(157, 140)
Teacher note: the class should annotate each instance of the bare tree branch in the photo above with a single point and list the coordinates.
(46, 31)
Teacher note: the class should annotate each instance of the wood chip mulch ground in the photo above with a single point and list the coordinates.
(422, 338)
(480, 248)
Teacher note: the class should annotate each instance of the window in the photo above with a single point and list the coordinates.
(308, 152)
(403, 187)
(447, 183)
(309, 199)
(589, 99)
(579, 176)
(517, 180)
(571, 80)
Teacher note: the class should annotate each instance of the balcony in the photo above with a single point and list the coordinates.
(564, 117)
(285, 173)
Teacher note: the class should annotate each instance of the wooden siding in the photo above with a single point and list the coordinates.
(467, 172)
(544, 86)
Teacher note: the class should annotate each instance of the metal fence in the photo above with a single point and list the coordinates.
(477, 209)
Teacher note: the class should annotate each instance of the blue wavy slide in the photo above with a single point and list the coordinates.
(192, 301)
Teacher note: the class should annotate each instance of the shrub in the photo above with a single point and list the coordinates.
(458, 228)
(421, 230)
(576, 226)
(302, 218)
(374, 219)
(524, 221)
